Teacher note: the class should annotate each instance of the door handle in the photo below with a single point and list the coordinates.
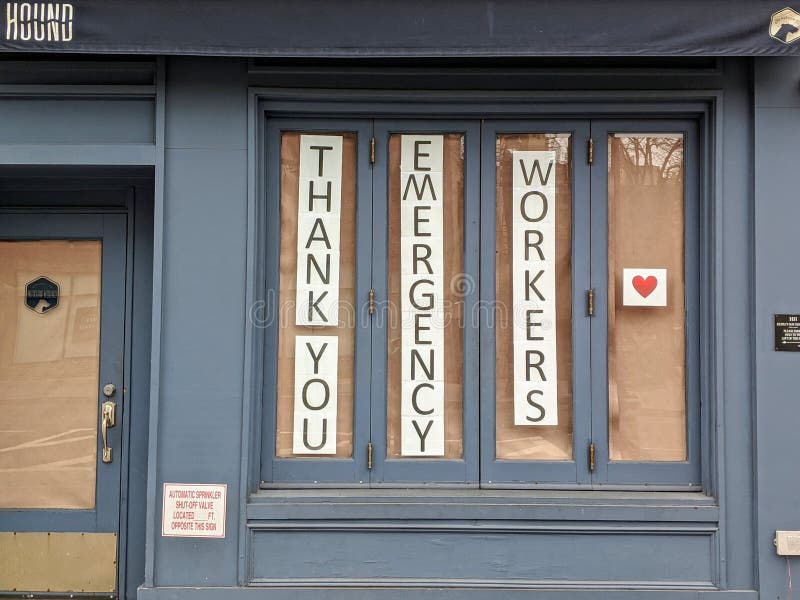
(108, 412)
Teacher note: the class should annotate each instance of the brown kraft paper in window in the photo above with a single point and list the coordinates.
(646, 345)
(532, 442)
(49, 362)
(287, 288)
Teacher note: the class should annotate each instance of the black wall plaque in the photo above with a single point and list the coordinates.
(787, 333)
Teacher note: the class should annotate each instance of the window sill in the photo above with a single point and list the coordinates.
(529, 505)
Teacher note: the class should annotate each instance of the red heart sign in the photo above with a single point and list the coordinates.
(644, 286)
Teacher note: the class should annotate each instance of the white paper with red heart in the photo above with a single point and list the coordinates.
(644, 287)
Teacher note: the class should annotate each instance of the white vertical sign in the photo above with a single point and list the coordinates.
(534, 293)
(422, 289)
(318, 216)
(316, 360)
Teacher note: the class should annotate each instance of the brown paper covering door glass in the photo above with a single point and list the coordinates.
(454, 287)
(49, 361)
(533, 442)
(646, 345)
(288, 330)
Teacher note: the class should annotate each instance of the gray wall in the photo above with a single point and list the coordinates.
(200, 410)
(203, 354)
(72, 129)
(199, 419)
(777, 290)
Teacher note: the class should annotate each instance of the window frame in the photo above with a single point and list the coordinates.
(462, 472)
(708, 460)
(504, 473)
(677, 474)
(312, 472)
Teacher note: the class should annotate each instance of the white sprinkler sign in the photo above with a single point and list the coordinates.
(194, 510)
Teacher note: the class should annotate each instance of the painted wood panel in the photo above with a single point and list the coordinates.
(74, 121)
(493, 552)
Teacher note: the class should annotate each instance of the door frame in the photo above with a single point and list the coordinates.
(124, 192)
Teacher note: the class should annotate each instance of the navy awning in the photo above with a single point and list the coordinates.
(404, 28)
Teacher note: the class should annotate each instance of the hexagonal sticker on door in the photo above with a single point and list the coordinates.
(785, 25)
(41, 295)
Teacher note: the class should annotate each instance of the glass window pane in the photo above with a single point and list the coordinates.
(439, 236)
(646, 327)
(534, 441)
(49, 361)
(322, 166)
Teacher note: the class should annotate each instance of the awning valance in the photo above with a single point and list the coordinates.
(404, 28)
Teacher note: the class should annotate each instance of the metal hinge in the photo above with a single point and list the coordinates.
(591, 457)
(369, 455)
(372, 151)
(590, 302)
(372, 301)
(590, 151)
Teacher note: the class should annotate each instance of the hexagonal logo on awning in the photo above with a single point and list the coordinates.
(41, 295)
(785, 25)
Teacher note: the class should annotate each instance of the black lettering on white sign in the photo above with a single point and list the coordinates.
(422, 299)
(534, 288)
(318, 221)
(316, 359)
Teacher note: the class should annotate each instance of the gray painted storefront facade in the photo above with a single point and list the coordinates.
(188, 131)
